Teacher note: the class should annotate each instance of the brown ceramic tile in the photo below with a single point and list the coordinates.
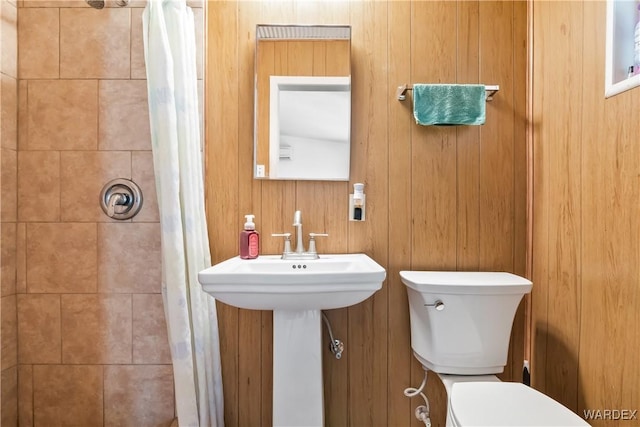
(62, 114)
(150, 343)
(8, 254)
(39, 186)
(62, 258)
(96, 329)
(138, 70)
(9, 397)
(9, 37)
(66, 395)
(95, 43)
(8, 186)
(21, 258)
(83, 174)
(25, 395)
(142, 174)
(78, 3)
(124, 115)
(138, 395)
(9, 332)
(55, 3)
(39, 35)
(129, 258)
(9, 118)
(39, 339)
(23, 115)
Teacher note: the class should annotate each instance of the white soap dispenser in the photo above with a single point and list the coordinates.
(357, 203)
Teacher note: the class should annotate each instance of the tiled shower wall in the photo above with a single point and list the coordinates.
(8, 210)
(83, 331)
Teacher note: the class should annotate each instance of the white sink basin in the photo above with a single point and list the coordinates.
(296, 291)
(271, 283)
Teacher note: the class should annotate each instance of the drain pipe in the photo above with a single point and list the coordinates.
(336, 346)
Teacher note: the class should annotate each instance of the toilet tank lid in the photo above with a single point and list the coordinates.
(466, 282)
(507, 404)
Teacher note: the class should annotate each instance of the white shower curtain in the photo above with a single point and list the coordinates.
(169, 48)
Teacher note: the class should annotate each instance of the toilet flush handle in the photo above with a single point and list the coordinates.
(438, 305)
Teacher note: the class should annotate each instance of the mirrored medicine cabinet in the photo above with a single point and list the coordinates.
(302, 102)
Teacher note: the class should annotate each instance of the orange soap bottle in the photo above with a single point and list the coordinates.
(249, 240)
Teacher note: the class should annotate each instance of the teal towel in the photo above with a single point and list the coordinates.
(449, 104)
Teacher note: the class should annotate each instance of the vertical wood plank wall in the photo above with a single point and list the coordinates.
(586, 297)
(437, 197)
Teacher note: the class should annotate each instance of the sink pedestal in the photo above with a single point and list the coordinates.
(298, 397)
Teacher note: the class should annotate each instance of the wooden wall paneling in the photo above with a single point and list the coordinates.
(541, 186)
(497, 143)
(400, 355)
(337, 63)
(412, 176)
(433, 166)
(468, 142)
(319, 58)
(338, 59)
(433, 60)
(496, 150)
(564, 134)
(601, 281)
(519, 333)
(278, 200)
(520, 52)
(369, 150)
(222, 170)
(610, 273)
(585, 216)
(630, 389)
(265, 57)
(333, 210)
(251, 335)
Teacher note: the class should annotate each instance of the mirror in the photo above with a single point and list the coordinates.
(302, 102)
(622, 70)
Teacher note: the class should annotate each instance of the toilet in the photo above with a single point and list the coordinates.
(460, 329)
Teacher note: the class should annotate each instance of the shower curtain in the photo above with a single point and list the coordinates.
(169, 48)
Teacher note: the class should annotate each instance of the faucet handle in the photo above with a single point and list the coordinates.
(312, 235)
(287, 241)
(312, 241)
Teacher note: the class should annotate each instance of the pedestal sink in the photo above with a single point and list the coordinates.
(296, 291)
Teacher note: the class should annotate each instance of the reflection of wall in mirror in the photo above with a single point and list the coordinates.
(315, 114)
(313, 159)
(310, 128)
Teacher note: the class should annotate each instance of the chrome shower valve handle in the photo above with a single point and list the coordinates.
(121, 199)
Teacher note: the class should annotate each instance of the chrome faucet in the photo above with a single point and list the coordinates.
(299, 253)
(297, 223)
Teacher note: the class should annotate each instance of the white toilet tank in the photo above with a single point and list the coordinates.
(461, 321)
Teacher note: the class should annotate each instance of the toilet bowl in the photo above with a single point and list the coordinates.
(460, 329)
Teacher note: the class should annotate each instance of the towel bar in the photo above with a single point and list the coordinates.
(401, 92)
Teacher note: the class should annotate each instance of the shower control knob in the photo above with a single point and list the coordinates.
(121, 199)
